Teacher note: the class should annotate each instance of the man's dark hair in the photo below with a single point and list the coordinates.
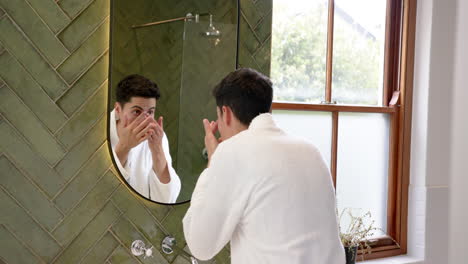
(136, 86)
(247, 92)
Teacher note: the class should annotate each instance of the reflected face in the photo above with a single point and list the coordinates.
(134, 108)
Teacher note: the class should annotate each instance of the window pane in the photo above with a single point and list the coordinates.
(299, 36)
(314, 126)
(358, 51)
(362, 165)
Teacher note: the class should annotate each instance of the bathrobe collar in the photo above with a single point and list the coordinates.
(262, 122)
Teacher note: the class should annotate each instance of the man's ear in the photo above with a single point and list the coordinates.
(118, 109)
(227, 115)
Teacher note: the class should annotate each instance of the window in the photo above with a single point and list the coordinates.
(342, 73)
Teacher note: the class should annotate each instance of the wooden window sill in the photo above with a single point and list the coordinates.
(402, 259)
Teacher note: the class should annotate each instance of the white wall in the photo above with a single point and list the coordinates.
(431, 141)
(439, 166)
(435, 145)
(458, 248)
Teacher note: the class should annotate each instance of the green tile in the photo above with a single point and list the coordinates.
(247, 37)
(136, 213)
(181, 260)
(38, 32)
(86, 54)
(187, 250)
(124, 200)
(90, 235)
(83, 119)
(28, 56)
(80, 153)
(23, 85)
(28, 124)
(101, 250)
(75, 98)
(94, 78)
(86, 209)
(158, 210)
(26, 229)
(84, 181)
(84, 24)
(51, 13)
(263, 57)
(13, 251)
(250, 11)
(28, 195)
(122, 256)
(29, 161)
(264, 6)
(73, 7)
(126, 234)
(173, 222)
(223, 257)
(263, 30)
(246, 59)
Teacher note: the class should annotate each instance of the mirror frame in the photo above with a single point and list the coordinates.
(109, 106)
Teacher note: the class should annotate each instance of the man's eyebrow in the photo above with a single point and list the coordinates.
(141, 108)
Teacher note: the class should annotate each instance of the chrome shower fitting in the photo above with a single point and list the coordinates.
(138, 248)
(168, 244)
(212, 32)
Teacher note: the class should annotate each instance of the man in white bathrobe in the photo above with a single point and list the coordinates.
(267, 193)
(140, 146)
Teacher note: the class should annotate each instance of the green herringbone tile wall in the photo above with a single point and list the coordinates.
(60, 198)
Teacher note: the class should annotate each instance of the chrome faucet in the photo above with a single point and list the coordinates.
(169, 243)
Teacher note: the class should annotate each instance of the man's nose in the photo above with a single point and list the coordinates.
(148, 114)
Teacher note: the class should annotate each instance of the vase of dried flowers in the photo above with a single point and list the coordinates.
(356, 235)
(351, 254)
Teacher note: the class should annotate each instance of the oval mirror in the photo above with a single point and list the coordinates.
(166, 57)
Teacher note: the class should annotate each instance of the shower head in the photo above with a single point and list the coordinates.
(212, 32)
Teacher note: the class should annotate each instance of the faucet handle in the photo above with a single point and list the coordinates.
(138, 248)
(167, 244)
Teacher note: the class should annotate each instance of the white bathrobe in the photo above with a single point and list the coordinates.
(139, 173)
(269, 194)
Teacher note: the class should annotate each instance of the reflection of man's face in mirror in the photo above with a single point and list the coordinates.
(137, 106)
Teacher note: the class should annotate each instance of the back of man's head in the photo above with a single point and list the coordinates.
(247, 92)
(136, 86)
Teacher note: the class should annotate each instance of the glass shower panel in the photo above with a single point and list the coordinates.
(207, 58)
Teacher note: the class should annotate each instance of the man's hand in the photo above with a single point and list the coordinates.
(136, 132)
(133, 134)
(211, 142)
(160, 166)
(156, 135)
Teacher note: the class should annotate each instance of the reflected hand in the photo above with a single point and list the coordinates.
(211, 142)
(156, 135)
(160, 166)
(131, 135)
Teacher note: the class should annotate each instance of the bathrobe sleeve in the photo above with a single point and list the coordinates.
(161, 192)
(217, 204)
